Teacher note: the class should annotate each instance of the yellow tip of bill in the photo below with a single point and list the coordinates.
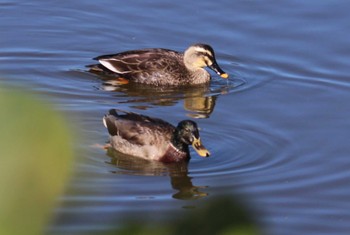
(224, 75)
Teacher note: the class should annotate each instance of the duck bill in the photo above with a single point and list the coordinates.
(200, 149)
(215, 67)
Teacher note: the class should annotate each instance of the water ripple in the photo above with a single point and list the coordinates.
(241, 149)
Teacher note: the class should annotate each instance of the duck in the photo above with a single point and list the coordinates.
(160, 67)
(152, 138)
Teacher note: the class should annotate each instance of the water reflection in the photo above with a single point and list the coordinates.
(178, 173)
(199, 100)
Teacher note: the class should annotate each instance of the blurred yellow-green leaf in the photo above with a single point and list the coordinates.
(36, 156)
(225, 215)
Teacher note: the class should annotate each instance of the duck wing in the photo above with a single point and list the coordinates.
(138, 129)
(138, 61)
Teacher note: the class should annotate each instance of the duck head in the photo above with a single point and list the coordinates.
(187, 134)
(200, 56)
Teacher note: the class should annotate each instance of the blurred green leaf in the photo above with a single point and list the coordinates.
(225, 215)
(36, 155)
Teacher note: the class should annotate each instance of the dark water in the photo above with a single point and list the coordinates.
(278, 130)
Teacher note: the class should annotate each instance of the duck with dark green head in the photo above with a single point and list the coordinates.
(152, 138)
(157, 66)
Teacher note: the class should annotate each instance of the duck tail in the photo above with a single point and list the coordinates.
(114, 112)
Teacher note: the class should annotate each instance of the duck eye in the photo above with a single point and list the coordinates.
(208, 61)
(188, 130)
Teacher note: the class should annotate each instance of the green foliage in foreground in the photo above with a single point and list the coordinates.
(220, 216)
(36, 155)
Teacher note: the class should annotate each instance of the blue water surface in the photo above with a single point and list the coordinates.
(278, 129)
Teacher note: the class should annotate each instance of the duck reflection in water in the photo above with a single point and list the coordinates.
(178, 173)
(199, 100)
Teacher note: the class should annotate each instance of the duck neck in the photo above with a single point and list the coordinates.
(177, 143)
(200, 75)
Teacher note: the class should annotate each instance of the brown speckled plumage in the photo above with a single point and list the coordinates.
(158, 66)
(152, 138)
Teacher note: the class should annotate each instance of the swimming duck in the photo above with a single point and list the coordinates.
(152, 138)
(158, 66)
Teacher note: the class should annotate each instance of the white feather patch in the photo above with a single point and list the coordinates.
(104, 121)
(109, 66)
